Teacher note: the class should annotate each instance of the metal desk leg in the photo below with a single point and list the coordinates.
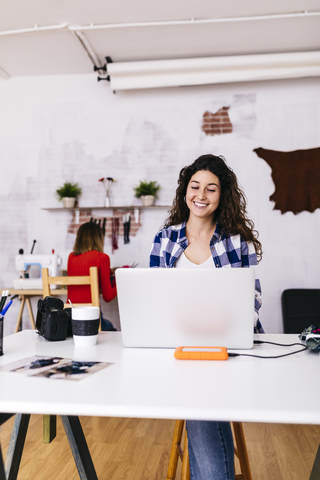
(315, 474)
(16, 444)
(19, 321)
(30, 313)
(79, 447)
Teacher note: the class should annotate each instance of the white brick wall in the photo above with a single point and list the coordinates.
(59, 128)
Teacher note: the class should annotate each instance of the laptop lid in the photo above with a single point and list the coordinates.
(169, 308)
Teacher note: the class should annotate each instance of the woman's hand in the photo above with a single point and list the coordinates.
(112, 270)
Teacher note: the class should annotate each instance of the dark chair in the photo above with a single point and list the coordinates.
(300, 309)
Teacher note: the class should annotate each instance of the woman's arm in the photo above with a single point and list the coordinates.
(249, 259)
(109, 291)
(156, 257)
(258, 328)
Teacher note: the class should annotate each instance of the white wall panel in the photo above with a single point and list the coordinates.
(59, 128)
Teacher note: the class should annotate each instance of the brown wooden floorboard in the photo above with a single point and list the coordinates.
(139, 449)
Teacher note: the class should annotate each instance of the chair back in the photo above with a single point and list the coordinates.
(91, 279)
(300, 309)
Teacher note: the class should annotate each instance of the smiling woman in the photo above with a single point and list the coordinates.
(202, 198)
(208, 228)
(203, 193)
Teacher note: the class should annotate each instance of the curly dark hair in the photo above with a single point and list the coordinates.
(231, 213)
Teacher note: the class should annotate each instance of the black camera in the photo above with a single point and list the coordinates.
(53, 321)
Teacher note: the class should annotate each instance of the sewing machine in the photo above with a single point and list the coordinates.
(23, 264)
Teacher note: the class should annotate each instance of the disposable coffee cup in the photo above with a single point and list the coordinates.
(85, 325)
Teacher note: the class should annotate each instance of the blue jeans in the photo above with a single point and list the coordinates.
(106, 325)
(211, 454)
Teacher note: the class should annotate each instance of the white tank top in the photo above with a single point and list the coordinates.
(184, 262)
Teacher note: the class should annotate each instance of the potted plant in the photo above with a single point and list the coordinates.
(68, 193)
(147, 191)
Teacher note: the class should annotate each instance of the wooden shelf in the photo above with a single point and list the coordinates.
(115, 207)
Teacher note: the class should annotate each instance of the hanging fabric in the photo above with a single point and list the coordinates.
(126, 228)
(104, 226)
(115, 234)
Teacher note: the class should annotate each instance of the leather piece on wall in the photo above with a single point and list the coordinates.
(296, 176)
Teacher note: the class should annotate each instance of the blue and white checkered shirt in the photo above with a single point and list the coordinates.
(227, 251)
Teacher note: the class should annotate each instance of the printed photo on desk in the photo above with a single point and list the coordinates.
(54, 367)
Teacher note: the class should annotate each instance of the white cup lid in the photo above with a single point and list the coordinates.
(85, 313)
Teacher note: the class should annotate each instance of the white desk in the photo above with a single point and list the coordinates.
(151, 383)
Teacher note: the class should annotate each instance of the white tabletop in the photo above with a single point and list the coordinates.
(151, 383)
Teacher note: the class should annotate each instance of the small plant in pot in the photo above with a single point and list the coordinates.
(147, 191)
(68, 193)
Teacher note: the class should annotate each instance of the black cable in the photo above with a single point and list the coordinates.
(259, 342)
(14, 296)
(262, 356)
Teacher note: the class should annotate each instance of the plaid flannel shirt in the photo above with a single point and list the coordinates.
(227, 251)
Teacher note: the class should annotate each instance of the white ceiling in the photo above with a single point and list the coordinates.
(219, 28)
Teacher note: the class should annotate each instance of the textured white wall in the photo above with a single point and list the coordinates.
(59, 128)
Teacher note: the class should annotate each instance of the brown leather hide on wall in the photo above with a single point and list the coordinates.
(296, 176)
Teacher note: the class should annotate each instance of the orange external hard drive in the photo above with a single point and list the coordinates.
(201, 353)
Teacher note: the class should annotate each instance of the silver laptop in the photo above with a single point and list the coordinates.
(169, 308)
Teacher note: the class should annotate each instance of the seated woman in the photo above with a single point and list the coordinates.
(208, 227)
(88, 252)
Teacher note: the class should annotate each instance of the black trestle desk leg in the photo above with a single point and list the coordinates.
(16, 444)
(79, 447)
(315, 474)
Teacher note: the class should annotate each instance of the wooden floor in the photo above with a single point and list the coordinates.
(138, 449)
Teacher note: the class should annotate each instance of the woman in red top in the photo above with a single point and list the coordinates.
(88, 252)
